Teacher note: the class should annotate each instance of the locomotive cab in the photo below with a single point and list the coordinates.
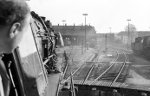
(25, 64)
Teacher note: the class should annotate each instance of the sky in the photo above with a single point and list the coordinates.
(102, 14)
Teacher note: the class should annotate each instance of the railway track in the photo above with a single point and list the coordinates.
(66, 67)
(111, 73)
(83, 72)
(92, 73)
(76, 71)
(102, 71)
(116, 72)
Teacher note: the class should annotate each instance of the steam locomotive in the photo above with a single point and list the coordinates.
(26, 64)
(141, 46)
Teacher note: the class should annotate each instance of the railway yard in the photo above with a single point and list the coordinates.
(117, 69)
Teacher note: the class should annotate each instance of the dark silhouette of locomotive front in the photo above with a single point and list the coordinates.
(141, 47)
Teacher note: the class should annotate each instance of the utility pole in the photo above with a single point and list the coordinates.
(106, 42)
(82, 47)
(85, 14)
(109, 34)
(128, 43)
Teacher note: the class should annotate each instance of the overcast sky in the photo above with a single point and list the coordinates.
(102, 14)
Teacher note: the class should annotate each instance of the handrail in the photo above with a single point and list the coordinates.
(46, 61)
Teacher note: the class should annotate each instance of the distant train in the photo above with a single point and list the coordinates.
(141, 46)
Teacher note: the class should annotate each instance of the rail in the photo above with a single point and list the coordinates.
(77, 70)
(88, 74)
(124, 64)
(105, 70)
(60, 78)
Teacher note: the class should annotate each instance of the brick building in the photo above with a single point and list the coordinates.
(75, 34)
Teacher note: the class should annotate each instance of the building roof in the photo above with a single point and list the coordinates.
(139, 33)
(75, 30)
(143, 33)
(125, 33)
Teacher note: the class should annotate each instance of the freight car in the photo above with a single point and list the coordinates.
(141, 46)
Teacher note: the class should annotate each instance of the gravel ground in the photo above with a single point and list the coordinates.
(139, 73)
